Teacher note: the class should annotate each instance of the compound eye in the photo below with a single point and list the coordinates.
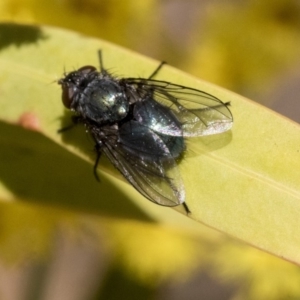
(67, 96)
(87, 69)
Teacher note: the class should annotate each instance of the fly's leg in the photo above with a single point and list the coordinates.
(100, 61)
(151, 76)
(75, 120)
(98, 151)
(186, 208)
(157, 70)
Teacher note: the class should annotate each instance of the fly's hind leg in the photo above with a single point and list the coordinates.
(186, 208)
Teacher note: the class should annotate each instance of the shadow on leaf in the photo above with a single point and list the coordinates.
(38, 170)
(18, 35)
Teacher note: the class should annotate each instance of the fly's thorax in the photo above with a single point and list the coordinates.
(103, 101)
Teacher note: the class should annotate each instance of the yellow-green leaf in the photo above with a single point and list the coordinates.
(244, 182)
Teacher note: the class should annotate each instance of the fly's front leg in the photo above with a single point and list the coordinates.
(75, 119)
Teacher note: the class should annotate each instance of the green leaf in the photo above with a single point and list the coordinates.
(244, 182)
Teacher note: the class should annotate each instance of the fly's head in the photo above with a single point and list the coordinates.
(75, 82)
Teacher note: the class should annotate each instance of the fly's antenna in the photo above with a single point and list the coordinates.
(100, 60)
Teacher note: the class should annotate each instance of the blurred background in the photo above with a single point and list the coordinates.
(251, 47)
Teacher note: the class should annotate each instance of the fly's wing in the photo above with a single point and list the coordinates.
(145, 161)
(199, 112)
(156, 116)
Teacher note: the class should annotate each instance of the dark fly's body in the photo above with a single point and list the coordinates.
(140, 125)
